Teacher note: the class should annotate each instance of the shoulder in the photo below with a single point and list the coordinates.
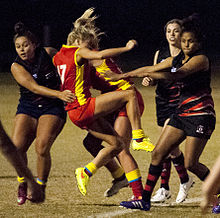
(156, 57)
(201, 59)
(156, 53)
(50, 51)
(83, 50)
(163, 53)
(15, 66)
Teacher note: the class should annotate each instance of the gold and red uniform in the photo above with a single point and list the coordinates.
(77, 79)
(106, 86)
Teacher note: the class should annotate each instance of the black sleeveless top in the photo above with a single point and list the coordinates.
(44, 73)
(195, 97)
(167, 92)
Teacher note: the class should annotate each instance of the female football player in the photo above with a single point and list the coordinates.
(40, 113)
(167, 99)
(194, 121)
(87, 112)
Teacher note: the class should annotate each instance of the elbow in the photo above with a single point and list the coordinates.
(101, 56)
(35, 91)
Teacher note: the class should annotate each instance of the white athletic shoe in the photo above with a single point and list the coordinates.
(161, 195)
(116, 186)
(184, 189)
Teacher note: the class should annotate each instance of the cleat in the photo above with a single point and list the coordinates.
(116, 186)
(146, 145)
(136, 204)
(38, 196)
(184, 189)
(22, 193)
(161, 196)
(82, 180)
(216, 209)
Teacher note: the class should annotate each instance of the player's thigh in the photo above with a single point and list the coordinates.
(170, 138)
(111, 101)
(24, 131)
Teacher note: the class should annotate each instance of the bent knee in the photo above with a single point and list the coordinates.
(132, 93)
(157, 156)
(43, 151)
(118, 145)
(43, 147)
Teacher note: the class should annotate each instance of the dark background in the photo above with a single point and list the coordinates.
(121, 20)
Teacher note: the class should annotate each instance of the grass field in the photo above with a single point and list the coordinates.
(62, 196)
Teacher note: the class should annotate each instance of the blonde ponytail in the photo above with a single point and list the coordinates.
(85, 29)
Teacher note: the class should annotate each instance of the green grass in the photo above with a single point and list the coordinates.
(62, 197)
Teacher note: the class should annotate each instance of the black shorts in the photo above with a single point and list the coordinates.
(37, 110)
(164, 109)
(163, 112)
(162, 116)
(197, 126)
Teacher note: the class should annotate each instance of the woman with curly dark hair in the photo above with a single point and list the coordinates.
(194, 120)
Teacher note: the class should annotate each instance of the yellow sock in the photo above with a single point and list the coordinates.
(134, 175)
(118, 173)
(91, 168)
(137, 134)
(20, 179)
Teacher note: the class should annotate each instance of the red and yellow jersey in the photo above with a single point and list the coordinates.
(105, 85)
(73, 77)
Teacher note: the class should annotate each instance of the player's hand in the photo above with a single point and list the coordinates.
(148, 81)
(131, 44)
(111, 76)
(67, 96)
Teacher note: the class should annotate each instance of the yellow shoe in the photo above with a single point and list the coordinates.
(82, 180)
(146, 145)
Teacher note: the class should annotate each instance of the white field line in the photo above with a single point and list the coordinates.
(123, 211)
(187, 201)
(112, 213)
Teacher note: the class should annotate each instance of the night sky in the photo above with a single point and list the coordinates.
(121, 20)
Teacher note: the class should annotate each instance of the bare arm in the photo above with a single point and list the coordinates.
(195, 64)
(156, 57)
(86, 53)
(142, 71)
(24, 78)
(148, 81)
(50, 51)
